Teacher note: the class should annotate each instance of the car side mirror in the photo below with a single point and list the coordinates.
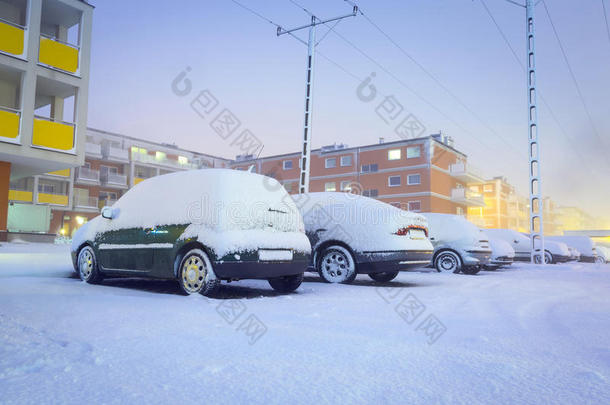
(107, 212)
(516, 241)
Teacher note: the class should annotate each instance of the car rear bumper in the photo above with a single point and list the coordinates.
(260, 269)
(390, 261)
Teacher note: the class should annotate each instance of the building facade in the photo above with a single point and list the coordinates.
(44, 79)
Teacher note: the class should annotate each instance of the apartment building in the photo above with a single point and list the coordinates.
(44, 80)
(426, 174)
(113, 164)
(574, 218)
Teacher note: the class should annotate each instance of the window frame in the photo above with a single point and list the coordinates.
(418, 148)
(334, 183)
(418, 202)
(326, 166)
(346, 157)
(284, 164)
(409, 183)
(394, 176)
(399, 150)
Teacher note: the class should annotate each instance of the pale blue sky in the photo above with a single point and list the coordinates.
(139, 47)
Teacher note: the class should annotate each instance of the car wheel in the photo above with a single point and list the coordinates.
(384, 277)
(195, 274)
(88, 269)
(286, 284)
(336, 265)
(548, 258)
(471, 270)
(448, 261)
(600, 260)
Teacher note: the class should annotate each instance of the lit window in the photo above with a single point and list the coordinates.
(183, 160)
(330, 186)
(394, 181)
(287, 164)
(346, 160)
(413, 179)
(160, 155)
(346, 186)
(394, 154)
(330, 163)
(413, 152)
(488, 188)
(415, 206)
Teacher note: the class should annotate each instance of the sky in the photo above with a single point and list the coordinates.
(474, 91)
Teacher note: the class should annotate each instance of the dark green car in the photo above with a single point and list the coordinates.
(235, 225)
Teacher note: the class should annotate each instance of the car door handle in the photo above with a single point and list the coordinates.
(321, 230)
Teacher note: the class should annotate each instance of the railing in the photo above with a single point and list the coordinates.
(52, 198)
(85, 202)
(12, 38)
(468, 197)
(60, 173)
(140, 157)
(112, 153)
(462, 169)
(58, 54)
(116, 179)
(93, 149)
(20, 195)
(53, 134)
(87, 174)
(9, 122)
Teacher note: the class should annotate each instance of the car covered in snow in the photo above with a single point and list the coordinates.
(603, 252)
(583, 244)
(502, 253)
(459, 246)
(352, 234)
(554, 252)
(574, 254)
(198, 227)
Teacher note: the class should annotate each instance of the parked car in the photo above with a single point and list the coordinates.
(459, 246)
(574, 254)
(352, 234)
(198, 227)
(584, 244)
(502, 253)
(603, 254)
(554, 252)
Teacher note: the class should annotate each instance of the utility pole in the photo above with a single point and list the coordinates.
(311, 50)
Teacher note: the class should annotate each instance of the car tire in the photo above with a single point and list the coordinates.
(196, 275)
(384, 277)
(471, 270)
(600, 260)
(286, 284)
(336, 264)
(88, 268)
(448, 261)
(548, 258)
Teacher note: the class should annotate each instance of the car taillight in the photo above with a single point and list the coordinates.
(405, 231)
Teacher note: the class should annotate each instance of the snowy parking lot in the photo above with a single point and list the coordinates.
(526, 334)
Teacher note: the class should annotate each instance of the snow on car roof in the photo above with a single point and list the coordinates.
(450, 227)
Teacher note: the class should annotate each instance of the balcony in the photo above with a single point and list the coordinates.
(467, 197)
(58, 55)
(59, 173)
(52, 198)
(114, 180)
(466, 173)
(145, 158)
(20, 195)
(115, 154)
(105, 203)
(9, 123)
(12, 38)
(93, 150)
(87, 175)
(53, 134)
(85, 202)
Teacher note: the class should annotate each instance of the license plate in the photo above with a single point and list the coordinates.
(274, 255)
(417, 234)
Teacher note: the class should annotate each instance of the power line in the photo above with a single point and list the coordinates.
(606, 19)
(572, 75)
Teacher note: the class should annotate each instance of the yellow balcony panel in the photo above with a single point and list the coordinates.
(9, 124)
(54, 135)
(56, 199)
(58, 55)
(62, 173)
(20, 195)
(137, 180)
(11, 39)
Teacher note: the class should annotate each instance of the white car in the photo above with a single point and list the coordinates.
(584, 244)
(603, 253)
(352, 234)
(574, 254)
(459, 246)
(502, 253)
(554, 252)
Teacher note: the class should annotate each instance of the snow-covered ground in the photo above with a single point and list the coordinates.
(522, 335)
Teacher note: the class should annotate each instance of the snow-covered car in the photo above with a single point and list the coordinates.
(554, 252)
(198, 227)
(603, 254)
(584, 244)
(502, 253)
(574, 254)
(351, 234)
(459, 246)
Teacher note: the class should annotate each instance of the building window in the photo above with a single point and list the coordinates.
(370, 193)
(413, 179)
(330, 186)
(460, 211)
(160, 155)
(394, 181)
(394, 154)
(372, 168)
(413, 152)
(415, 206)
(395, 204)
(488, 188)
(183, 160)
(287, 164)
(346, 186)
(346, 160)
(330, 163)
